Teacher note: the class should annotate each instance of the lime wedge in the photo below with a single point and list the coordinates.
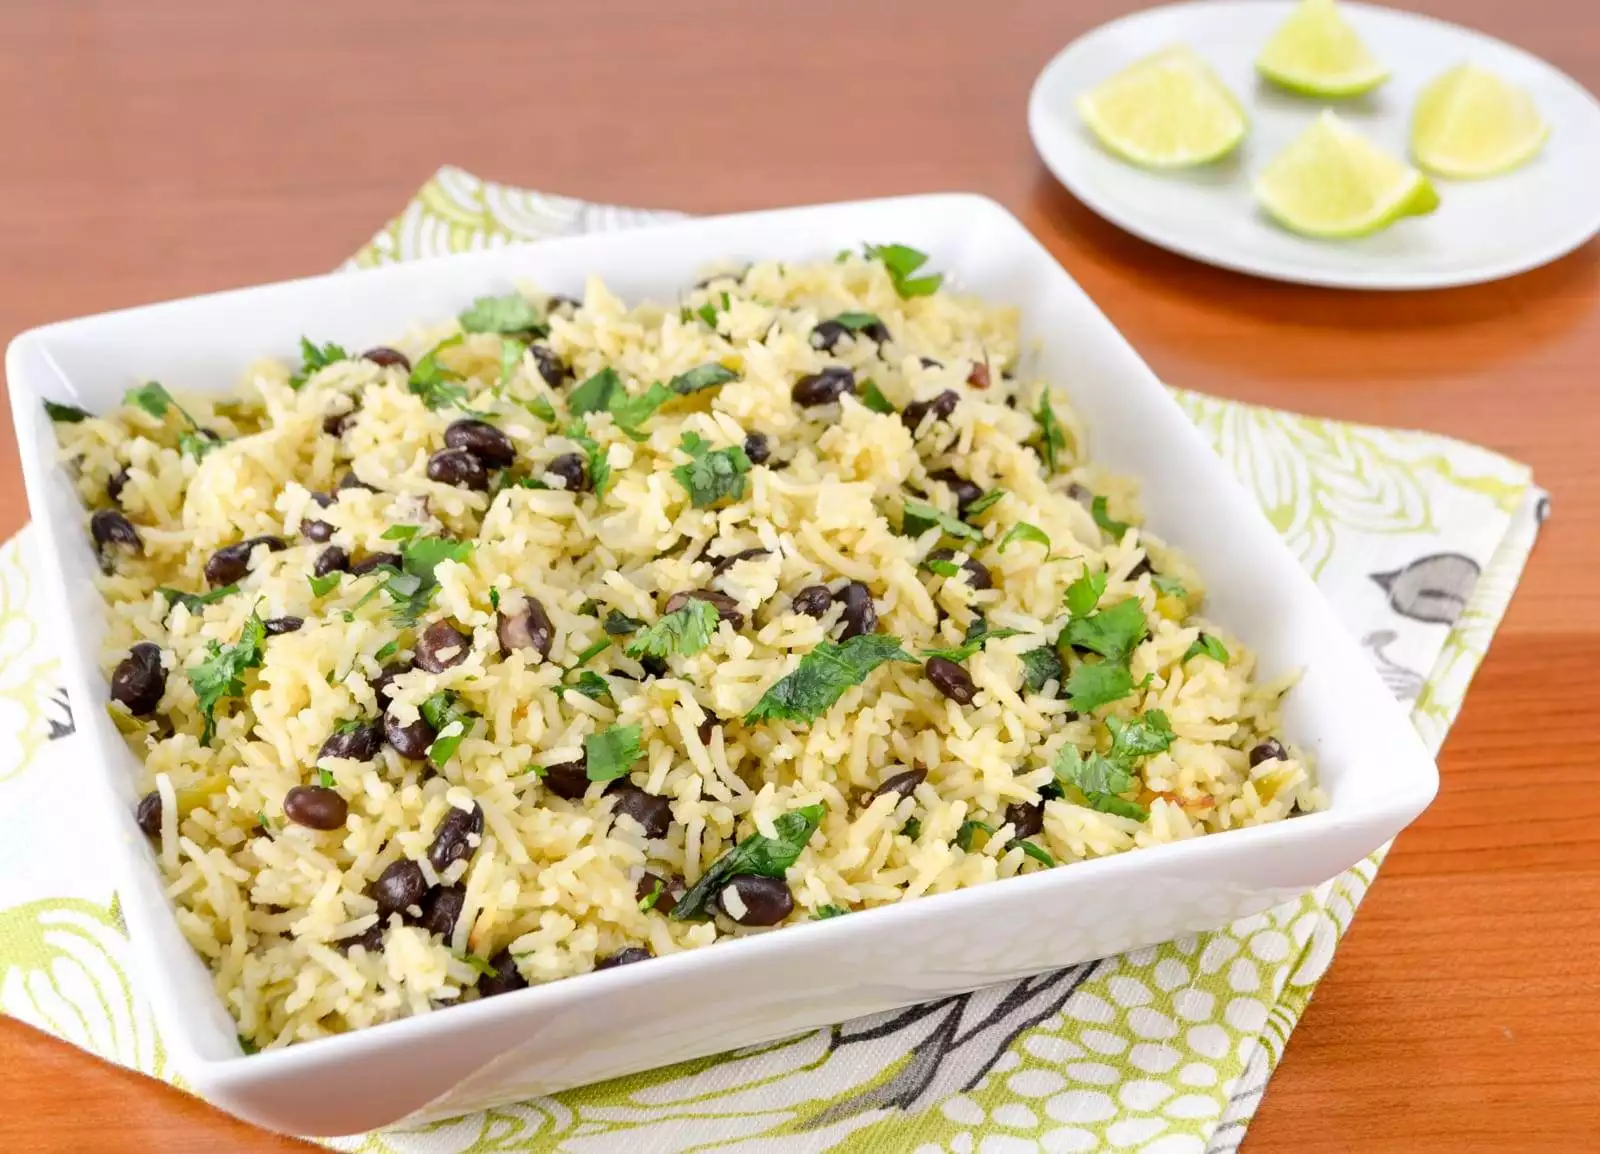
(1470, 123)
(1333, 182)
(1316, 53)
(1166, 111)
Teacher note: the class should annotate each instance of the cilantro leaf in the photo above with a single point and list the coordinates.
(1100, 780)
(451, 722)
(595, 453)
(431, 381)
(823, 676)
(320, 586)
(592, 686)
(1039, 666)
(712, 475)
(768, 857)
(919, 518)
(648, 902)
(619, 624)
(912, 829)
(221, 673)
(823, 913)
(1113, 633)
(702, 377)
(611, 752)
(1102, 518)
(422, 555)
(873, 398)
(1170, 586)
(900, 261)
(1085, 593)
(984, 503)
(1036, 852)
(481, 965)
(194, 602)
(596, 393)
(968, 831)
(1052, 440)
(1207, 646)
(941, 566)
(65, 414)
(1091, 685)
(631, 412)
(401, 532)
(387, 650)
(1022, 531)
(977, 636)
(197, 443)
(684, 631)
(541, 408)
(855, 322)
(152, 398)
(315, 358)
(511, 352)
(510, 313)
(1148, 734)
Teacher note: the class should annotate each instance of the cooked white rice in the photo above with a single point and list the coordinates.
(268, 902)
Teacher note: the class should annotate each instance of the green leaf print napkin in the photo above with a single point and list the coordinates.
(1419, 542)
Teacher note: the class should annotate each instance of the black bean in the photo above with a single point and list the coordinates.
(458, 467)
(977, 573)
(231, 562)
(672, 890)
(399, 887)
(527, 628)
(966, 492)
(315, 530)
(707, 727)
(825, 387)
(387, 358)
(359, 741)
(930, 363)
(570, 779)
(560, 304)
(109, 527)
(117, 482)
(765, 901)
(651, 811)
(624, 958)
(351, 481)
(376, 561)
(441, 646)
(1269, 750)
(940, 406)
(506, 976)
(315, 807)
(757, 448)
(138, 681)
(1025, 818)
(369, 939)
(333, 559)
(951, 680)
(1140, 569)
(442, 909)
(483, 441)
(324, 500)
(451, 840)
(573, 471)
(551, 367)
(148, 815)
(813, 601)
(335, 424)
(409, 741)
(277, 626)
(860, 615)
(381, 684)
(827, 335)
(901, 784)
(723, 564)
(653, 666)
(978, 378)
(727, 607)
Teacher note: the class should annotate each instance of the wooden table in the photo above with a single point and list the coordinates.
(171, 147)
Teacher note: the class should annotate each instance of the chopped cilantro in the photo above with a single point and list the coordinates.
(320, 586)
(541, 408)
(648, 902)
(900, 261)
(595, 453)
(481, 965)
(430, 380)
(610, 753)
(631, 412)
(1170, 586)
(1148, 734)
(712, 475)
(451, 723)
(494, 597)
(823, 913)
(941, 566)
(912, 829)
(325, 778)
(315, 358)
(1052, 440)
(919, 518)
(194, 602)
(1102, 518)
(873, 398)
(1113, 633)
(1207, 646)
(684, 632)
(702, 377)
(984, 503)
(855, 322)
(823, 676)
(619, 624)
(196, 443)
(592, 652)
(1040, 666)
(422, 555)
(1022, 531)
(768, 857)
(221, 673)
(65, 414)
(1092, 685)
(401, 532)
(387, 650)
(1101, 778)
(595, 394)
(511, 351)
(152, 398)
(977, 635)
(969, 831)
(592, 686)
(1084, 593)
(510, 313)
(1036, 852)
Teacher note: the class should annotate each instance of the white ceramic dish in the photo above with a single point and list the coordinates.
(597, 1026)
(1483, 230)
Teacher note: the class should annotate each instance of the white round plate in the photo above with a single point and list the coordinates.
(1482, 230)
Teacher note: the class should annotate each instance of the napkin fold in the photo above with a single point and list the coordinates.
(1418, 540)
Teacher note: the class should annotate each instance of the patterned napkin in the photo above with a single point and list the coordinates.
(1418, 541)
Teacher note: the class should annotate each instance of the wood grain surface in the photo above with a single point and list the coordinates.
(171, 147)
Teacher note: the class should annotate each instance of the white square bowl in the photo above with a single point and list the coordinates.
(1377, 773)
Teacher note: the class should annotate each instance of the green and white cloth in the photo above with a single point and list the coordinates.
(1419, 542)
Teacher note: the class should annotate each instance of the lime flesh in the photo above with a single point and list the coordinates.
(1332, 182)
(1469, 123)
(1316, 53)
(1166, 111)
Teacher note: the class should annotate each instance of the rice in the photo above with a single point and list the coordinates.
(990, 774)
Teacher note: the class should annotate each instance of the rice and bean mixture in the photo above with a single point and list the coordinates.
(566, 635)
